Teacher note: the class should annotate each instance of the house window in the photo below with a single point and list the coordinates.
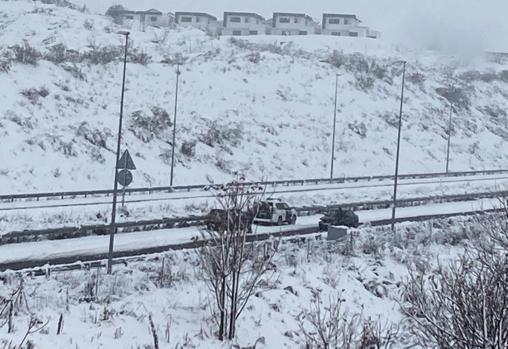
(295, 20)
(336, 33)
(334, 21)
(235, 19)
(198, 19)
(129, 17)
(302, 32)
(237, 32)
(246, 19)
(284, 20)
(346, 21)
(186, 19)
(354, 34)
(253, 32)
(153, 19)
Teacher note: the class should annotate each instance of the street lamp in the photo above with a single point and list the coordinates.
(449, 139)
(334, 125)
(174, 124)
(112, 231)
(396, 179)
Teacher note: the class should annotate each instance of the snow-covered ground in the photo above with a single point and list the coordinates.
(181, 307)
(260, 105)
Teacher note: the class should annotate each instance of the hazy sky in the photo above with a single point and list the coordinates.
(451, 25)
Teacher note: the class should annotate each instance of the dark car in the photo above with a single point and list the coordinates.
(216, 220)
(340, 217)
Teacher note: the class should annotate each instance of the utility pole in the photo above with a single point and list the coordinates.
(396, 179)
(449, 139)
(174, 124)
(334, 125)
(115, 185)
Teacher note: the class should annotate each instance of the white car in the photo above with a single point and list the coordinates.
(275, 211)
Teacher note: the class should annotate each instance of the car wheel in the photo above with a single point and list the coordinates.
(293, 220)
(279, 221)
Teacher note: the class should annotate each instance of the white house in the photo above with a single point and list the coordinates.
(203, 21)
(151, 17)
(345, 25)
(292, 24)
(243, 23)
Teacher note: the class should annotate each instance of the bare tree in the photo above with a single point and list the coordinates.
(232, 268)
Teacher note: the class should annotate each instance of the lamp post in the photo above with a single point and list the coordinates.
(396, 179)
(112, 231)
(334, 125)
(174, 124)
(449, 139)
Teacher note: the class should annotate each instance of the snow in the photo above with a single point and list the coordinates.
(264, 103)
(117, 318)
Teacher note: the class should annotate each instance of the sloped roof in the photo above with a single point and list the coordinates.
(201, 14)
(250, 14)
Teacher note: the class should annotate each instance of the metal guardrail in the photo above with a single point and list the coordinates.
(292, 182)
(61, 264)
(168, 223)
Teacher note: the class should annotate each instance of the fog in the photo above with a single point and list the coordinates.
(456, 26)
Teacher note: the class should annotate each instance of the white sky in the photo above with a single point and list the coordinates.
(451, 25)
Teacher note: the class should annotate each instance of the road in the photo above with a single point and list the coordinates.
(93, 245)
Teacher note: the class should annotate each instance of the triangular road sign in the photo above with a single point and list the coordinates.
(125, 162)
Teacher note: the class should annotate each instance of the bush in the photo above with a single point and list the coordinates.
(458, 96)
(96, 137)
(146, 126)
(221, 135)
(102, 55)
(33, 94)
(56, 54)
(139, 57)
(25, 53)
(461, 306)
(188, 149)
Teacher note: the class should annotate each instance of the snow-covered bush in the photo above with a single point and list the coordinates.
(221, 134)
(25, 53)
(188, 149)
(148, 125)
(102, 55)
(34, 94)
(456, 95)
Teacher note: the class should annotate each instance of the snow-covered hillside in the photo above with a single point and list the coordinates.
(260, 105)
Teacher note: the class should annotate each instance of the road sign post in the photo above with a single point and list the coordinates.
(125, 176)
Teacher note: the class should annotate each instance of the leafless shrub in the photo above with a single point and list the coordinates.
(232, 269)
(148, 125)
(464, 305)
(56, 54)
(138, 57)
(96, 137)
(34, 94)
(221, 135)
(329, 326)
(102, 55)
(25, 54)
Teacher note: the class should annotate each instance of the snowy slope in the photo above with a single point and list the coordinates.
(262, 106)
